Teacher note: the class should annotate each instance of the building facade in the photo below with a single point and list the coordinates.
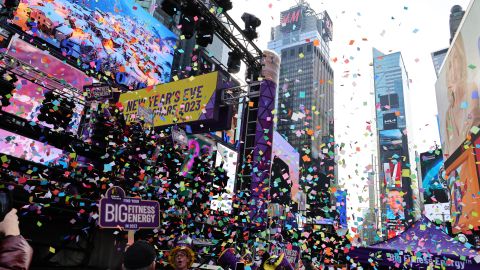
(304, 103)
(397, 208)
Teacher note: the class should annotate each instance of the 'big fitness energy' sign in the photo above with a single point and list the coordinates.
(116, 210)
(178, 102)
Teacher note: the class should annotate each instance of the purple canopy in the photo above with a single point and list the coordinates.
(422, 244)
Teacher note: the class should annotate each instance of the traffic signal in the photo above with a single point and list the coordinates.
(7, 85)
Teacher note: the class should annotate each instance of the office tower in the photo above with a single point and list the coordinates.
(437, 58)
(304, 101)
(391, 85)
(456, 15)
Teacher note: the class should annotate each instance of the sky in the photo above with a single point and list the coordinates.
(416, 28)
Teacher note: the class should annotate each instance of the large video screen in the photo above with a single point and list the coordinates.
(434, 190)
(116, 37)
(286, 154)
(395, 208)
(28, 96)
(391, 139)
(227, 159)
(457, 85)
(464, 190)
(24, 148)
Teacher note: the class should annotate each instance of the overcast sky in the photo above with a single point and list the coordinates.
(414, 27)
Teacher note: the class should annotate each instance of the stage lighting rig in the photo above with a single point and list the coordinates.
(251, 24)
(234, 61)
(205, 32)
(226, 5)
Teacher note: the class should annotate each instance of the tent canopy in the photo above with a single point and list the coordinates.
(421, 244)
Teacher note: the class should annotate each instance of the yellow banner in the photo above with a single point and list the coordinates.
(176, 102)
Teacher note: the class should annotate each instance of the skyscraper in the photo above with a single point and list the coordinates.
(391, 84)
(304, 102)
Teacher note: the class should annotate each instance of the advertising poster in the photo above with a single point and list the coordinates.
(395, 208)
(292, 19)
(227, 159)
(393, 173)
(464, 190)
(434, 190)
(290, 158)
(341, 197)
(28, 96)
(116, 37)
(182, 101)
(27, 149)
(390, 121)
(391, 139)
(457, 85)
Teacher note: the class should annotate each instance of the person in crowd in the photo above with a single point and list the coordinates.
(181, 257)
(140, 256)
(15, 252)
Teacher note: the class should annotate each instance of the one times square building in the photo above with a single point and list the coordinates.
(304, 101)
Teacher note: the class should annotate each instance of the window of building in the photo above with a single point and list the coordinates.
(309, 47)
(292, 52)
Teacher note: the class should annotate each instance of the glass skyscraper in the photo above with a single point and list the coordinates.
(304, 102)
(391, 85)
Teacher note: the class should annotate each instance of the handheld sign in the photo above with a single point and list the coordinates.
(116, 210)
(98, 91)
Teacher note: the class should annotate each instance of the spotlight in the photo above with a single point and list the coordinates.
(251, 24)
(186, 20)
(204, 33)
(226, 5)
(234, 61)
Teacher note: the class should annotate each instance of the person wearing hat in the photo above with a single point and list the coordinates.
(181, 258)
(139, 256)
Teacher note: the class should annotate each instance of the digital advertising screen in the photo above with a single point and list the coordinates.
(393, 173)
(395, 208)
(434, 189)
(464, 189)
(227, 159)
(27, 149)
(292, 19)
(457, 85)
(116, 37)
(289, 156)
(391, 139)
(28, 96)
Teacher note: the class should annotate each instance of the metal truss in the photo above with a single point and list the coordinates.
(36, 76)
(238, 94)
(230, 33)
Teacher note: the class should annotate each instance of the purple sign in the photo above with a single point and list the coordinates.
(116, 210)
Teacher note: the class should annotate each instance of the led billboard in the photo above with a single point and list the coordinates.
(391, 139)
(393, 173)
(457, 84)
(28, 96)
(188, 100)
(434, 189)
(288, 155)
(395, 208)
(24, 148)
(463, 185)
(227, 159)
(116, 37)
(292, 19)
